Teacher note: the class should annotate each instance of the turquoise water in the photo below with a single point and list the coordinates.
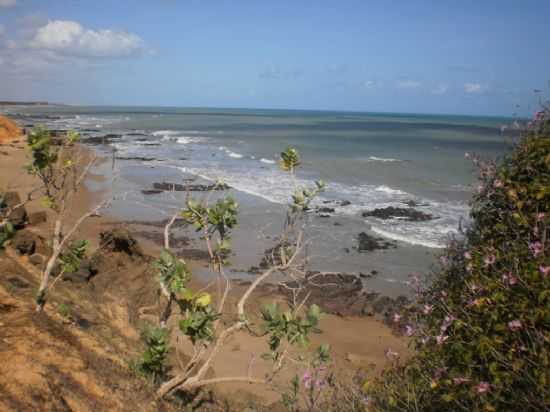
(369, 159)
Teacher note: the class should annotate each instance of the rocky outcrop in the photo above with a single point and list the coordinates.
(368, 243)
(177, 187)
(390, 212)
(17, 215)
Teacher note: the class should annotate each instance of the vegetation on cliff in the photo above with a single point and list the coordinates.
(483, 340)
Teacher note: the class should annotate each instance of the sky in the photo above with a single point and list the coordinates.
(485, 57)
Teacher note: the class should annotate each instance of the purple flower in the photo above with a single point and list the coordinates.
(466, 155)
(480, 189)
(514, 325)
(483, 387)
(409, 330)
(467, 255)
(443, 260)
(390, 354)
(536, 248)
(497, 183)
(544, 270)
(540, 217)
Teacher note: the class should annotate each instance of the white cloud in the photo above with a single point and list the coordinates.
(408, 84)
(440, 89)
(373, 84)
(7, 3)
(473, 88)
(70, 38)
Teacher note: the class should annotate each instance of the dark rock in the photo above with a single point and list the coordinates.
(120, 240)
(152, 192)
(37, 259)
(24, 242)
(143, 159)
(176, 187)
(345, 203)
(324, 210)
(391, 212)
(324, 215)
(36, 218)
(368, 243)
(337, 224)
(17, 216)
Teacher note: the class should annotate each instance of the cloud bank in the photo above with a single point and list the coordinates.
(70, 38)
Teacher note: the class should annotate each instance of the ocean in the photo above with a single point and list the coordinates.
(368, 160)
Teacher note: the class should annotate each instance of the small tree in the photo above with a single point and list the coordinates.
(61, 167)
(199, 313)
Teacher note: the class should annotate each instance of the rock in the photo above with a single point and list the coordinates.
(324, 210)
(411, 215)
(345, 203)
(143, 159)
(88, 269)
(36, 218)
(121, 241)
(37, 259)
(18, 216)
(24, 242)
(18, 283)
(176, 187)
(152, 192)
(368, 243)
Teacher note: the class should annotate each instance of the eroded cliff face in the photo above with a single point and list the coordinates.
(8, 129)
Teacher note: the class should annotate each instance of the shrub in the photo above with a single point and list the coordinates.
(483, 341)
(152, 363)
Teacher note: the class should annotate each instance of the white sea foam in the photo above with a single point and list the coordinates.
(268, 161)
(383, 159)
(389, 190)
(411, 239)
(166, 133)
(234, 155)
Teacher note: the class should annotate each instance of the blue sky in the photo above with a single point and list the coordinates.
(464, 57)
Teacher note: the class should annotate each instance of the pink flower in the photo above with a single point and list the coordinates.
(390, 354)
(536, 248)
(469, 267)
(490, 259)
(540, 217)
(427, 309)
(467, 255)
(514, 325)
(544, 270)
(460, 381)
(440, 339)
(306, 379)
(443, 260)
(396, 317)
(497, 184)
(480, 189)
(409, 330)
(483, 387)
(509, 279)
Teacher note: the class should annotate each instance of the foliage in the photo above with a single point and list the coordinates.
(198, 324)
(153, 360)
(172, 272)
(71, 258)
(287, 325)
(483, 341)
(6, 233)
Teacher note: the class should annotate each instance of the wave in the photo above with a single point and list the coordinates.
(382, 159)
(267, 161)
(234, 155)
(164, 133)
(407, 239)
(389, 190)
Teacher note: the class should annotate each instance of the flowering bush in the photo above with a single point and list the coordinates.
(483, 336)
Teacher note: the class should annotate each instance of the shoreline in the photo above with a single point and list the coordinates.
(356, 342)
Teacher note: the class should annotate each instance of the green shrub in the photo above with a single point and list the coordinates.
(152, 363)
(483, 340)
